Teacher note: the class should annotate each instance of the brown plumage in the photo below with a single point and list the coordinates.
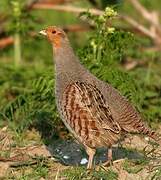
(92, 110)
(86, 111)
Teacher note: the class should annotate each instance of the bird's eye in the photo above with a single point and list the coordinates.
(53, 32)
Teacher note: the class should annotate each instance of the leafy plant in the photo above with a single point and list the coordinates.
(19, 23)
(104, 53)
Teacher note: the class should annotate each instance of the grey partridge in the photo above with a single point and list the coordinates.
(92, 110)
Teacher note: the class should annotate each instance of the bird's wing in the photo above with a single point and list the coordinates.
(88, 98)
(125, 114)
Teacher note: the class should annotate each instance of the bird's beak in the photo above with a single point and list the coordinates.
(43, 32)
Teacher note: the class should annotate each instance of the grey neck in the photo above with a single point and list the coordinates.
(67, 68)
(66, 62)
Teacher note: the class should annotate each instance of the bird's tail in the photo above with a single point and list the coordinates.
(152, 134)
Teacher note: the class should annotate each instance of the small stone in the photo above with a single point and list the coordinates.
(84, 161)
(4, 166)
(66, 157)
(147, 138)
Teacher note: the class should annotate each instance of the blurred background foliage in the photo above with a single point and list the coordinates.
(121, 48)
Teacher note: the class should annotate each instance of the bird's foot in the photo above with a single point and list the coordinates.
(108, 163)
(119, 161)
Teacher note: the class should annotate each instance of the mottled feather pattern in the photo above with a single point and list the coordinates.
(131, 121)
(85, 110)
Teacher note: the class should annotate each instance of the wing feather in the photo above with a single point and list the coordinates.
(93, 101)
(97, 107)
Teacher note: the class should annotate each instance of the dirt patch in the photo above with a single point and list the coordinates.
(134, 158)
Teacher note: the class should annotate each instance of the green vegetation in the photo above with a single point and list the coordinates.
(82, 173)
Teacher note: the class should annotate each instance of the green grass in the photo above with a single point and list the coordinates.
(81, 173)
(135, 166)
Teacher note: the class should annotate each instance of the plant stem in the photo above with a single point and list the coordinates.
(17, 49)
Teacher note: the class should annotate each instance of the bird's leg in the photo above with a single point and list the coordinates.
(91, 152)
(109, 156)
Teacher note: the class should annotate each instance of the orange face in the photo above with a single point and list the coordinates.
(55, 35)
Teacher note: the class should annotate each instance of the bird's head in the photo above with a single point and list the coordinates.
(55, 35)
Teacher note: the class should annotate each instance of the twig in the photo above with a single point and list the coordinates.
(5, 42)
(66, 8)
(9, 159)
(151, 49)
(20, 164)
(75, 28)
(152, 17)
(148, 32)
(138, 26)
(30, 3)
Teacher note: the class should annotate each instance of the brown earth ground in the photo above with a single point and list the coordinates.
(26, 157)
